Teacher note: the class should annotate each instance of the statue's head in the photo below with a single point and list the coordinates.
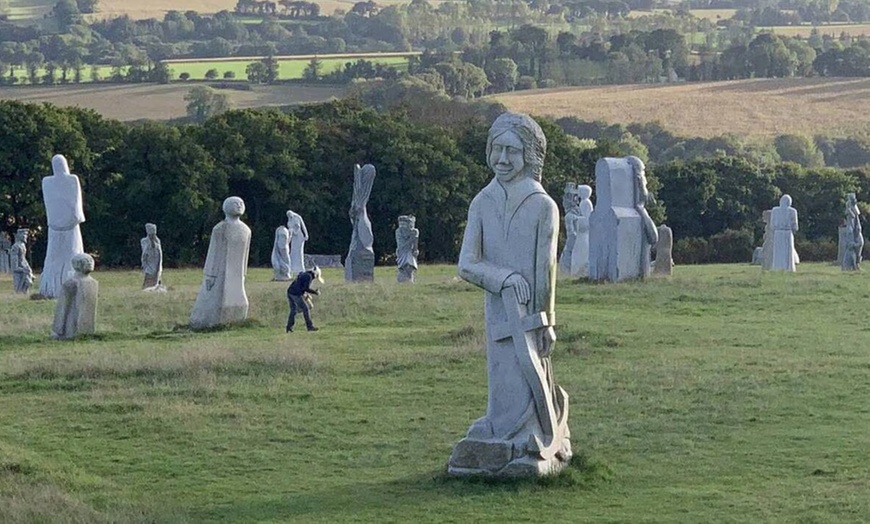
(290, 214)
(234, 206)
(765, 216)
(22, 234)
(150, 229)
(785, 201)
(851, 199)
(407, 221)
(584, 191)
(82, 263)
(516, 147)
(636, 166)
(59, 165)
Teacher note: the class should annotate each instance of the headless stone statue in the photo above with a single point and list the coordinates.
(854, 236)
(62, 194)
(76, 310)
(509, 250)
(664, 252)
(281, 255)
(152, 259)
(621, 232)
(580, 255)
(360, 263)
(222, 298)
(22, 274)
(407, 237)
(298, 238)
(5, 247)
(784, 222)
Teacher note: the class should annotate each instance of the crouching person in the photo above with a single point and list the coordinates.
(296, 296)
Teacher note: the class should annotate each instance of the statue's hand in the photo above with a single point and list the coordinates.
(520, 285)
(546, 340)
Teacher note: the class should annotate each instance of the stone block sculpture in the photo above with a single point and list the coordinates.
(222, 298)
(298, 238)
(76, 310)
(664, 263)
(5, 247)
(621, 232)
(853, 246)
(360, 263)
(22, 274)
(784, 222)
(152, 260)
(509, 250)
(407, 248)
(281, 255)
(62, 194)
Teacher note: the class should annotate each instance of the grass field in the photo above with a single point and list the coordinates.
(714, 15)
(162, 102)
(835, 30)
(720, 395)
(762, 107)
(288, 69)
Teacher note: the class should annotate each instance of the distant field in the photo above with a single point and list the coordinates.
(746, 107)
(710, 14)
(161, 102)
(287, 69)
(832, 30)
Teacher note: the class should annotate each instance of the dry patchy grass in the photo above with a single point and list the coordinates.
(834, 30)
(161, 102)
(762, 107)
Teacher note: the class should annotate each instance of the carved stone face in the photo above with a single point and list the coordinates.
(506, 157)
(82, 263)
(234, 207)
(22, 235)
(150, 230)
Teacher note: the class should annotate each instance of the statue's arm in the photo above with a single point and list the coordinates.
(247, 252)
(794, 216)
(472, 266)
(304, 229)
(546, 261)
(80, 208)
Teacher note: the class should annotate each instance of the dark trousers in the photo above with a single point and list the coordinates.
(296, 303)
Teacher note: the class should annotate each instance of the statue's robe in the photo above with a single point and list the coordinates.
(64, 209)
(76, 310)
(222, 298)
(152, 262)
(784, 221)
(281, 255)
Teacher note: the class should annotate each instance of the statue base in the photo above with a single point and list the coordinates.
(360, 267)
(500, 459)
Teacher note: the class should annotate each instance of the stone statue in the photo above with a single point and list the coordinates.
(5, 246)
(767, 244)
(22, 275)
(842, 240)
(757, 256)
(281, 256)
(298, 238)
(580, 255)
(360, 263)
(854, 245)
(784, 221)
(407, 237)
(621, 232)
(222, 298)
(664, 263)
(152, 259)
(62, 194)
(76, 310)
(509, 250)
(570, 203)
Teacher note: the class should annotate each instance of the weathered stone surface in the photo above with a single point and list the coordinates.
(767, 245)
(360, 263)
(22, 274)
(407, 239)
(222, 298)
(298, 238)
(853, 238)
(580, 254)
(76, 310)
(757, 256)
(64, 208)
(281, 255)
(664, 263)
(570, 203)
(784, 222)
(509, 250)
(5, 247)
(152, 260)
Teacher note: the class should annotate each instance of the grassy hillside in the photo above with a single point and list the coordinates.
(761, 107)
(720, 395)
(162, 102)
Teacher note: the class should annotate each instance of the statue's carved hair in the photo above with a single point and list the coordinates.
(530, 133)
(83, 263)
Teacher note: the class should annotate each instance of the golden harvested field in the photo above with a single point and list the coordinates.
(834, 30)
(161, 102)
(762, 107)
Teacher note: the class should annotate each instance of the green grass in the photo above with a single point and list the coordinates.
(721, 395)
(287, 69)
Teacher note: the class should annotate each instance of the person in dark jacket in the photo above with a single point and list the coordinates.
(295, 295)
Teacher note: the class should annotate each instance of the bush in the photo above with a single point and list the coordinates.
(728, 246)
(526, 82)
(184, 76)
(547, 82)
(211, 74)
(229, 75)
(692, 250)
(823, 250)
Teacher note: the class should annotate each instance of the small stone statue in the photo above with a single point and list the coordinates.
(360, 263)
(281, 255)
(571, 205)
(76, 310)
(62, 194)
(854, 237)
(222, 298)
(152, 259)
(407, 237)
(5, 246)
(580, 256)
(298, 238)
(22, 274)
(664, 263)
(509, 250)
(767, 244)
(784, 221)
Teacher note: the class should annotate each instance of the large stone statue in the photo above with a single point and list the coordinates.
(76, 310)
(570, 203)
(281, 255)
(784, 222)
(621, 232)
(222, 298)
(407, 237)
(854, 244)
(22, 275)
(360, 262)
(580, 255)
(5, 246)
(664, 263)
(509, 250)
(298, 238)
(152, 259)
(62, 194)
